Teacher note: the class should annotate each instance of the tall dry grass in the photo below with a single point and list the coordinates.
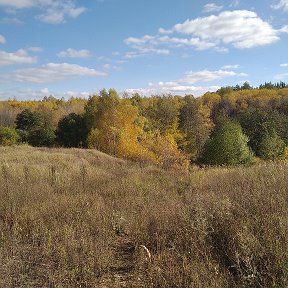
(63, 210)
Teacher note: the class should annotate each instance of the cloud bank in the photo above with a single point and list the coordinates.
(51, 11)
(49, 73)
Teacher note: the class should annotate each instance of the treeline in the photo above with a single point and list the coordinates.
(231, 126)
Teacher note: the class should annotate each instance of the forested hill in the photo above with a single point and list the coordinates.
(235, 125)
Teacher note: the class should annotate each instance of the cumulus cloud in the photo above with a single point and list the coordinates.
(144, 46)
(284, 65)
(212, 7)
(186, 85)
(164, 31)
(238, 28)
(2, 39)
(160, 44)
(16, 58)
(283, 5)
(53, 11)
(207, 76)
(58, 13)
(74, 53)
(242, 29)
(51, 72)
(197, 43)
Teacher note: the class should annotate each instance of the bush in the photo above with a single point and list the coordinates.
(227, 147)
(28, 120)
(42, 137)
(72, 131)
(271, 146)
(8, 136)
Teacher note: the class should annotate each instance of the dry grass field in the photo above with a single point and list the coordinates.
(80, 218)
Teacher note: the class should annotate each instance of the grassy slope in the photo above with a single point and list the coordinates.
(64, 213)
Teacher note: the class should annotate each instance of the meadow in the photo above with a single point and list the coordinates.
(81, 218)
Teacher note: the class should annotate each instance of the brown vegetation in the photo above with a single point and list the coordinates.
(72, 217)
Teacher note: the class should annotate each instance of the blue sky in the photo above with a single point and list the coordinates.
(75, 48)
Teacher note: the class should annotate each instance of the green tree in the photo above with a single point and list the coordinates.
(271, 146)
(8, 136)
(163, 114)
(42, 137)
(28, 120)
(91, 111)
(34, 127)
(72, 131)
(228, 146)
(264, 129)
(196, 125)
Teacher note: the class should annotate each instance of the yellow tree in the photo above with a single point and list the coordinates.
(116, 131)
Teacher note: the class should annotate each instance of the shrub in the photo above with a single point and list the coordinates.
(27, 120)
(72, 131)
(42, 137)
(8, 136)
(228, 146)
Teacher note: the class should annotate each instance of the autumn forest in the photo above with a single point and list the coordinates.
(235, 125)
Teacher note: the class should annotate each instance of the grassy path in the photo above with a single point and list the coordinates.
(122, 271)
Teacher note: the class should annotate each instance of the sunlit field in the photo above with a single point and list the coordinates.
(81, 218)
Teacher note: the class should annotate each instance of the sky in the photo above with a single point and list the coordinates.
(75, 48)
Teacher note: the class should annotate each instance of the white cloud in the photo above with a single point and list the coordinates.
(212, 7)
(74, 53)
(19, 57)
(175, 90)
(39, 94)
(109, 66)
(282, 76)
(50, 72)
(142, 51)
(136, 42)
(194, 42)
(185, 85)
(2, 39)
(284, 65)
(148, 44)
(19, 4)
(10, 20)
(235, 66)
(164, 31)
(231, 27)
(284, 29)
(24, 94)
(283, 5)
(145, 45)
(207, 76)
(237, 28)
(52, 16)
(53, 11)
(58, 13)
(35, 49)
